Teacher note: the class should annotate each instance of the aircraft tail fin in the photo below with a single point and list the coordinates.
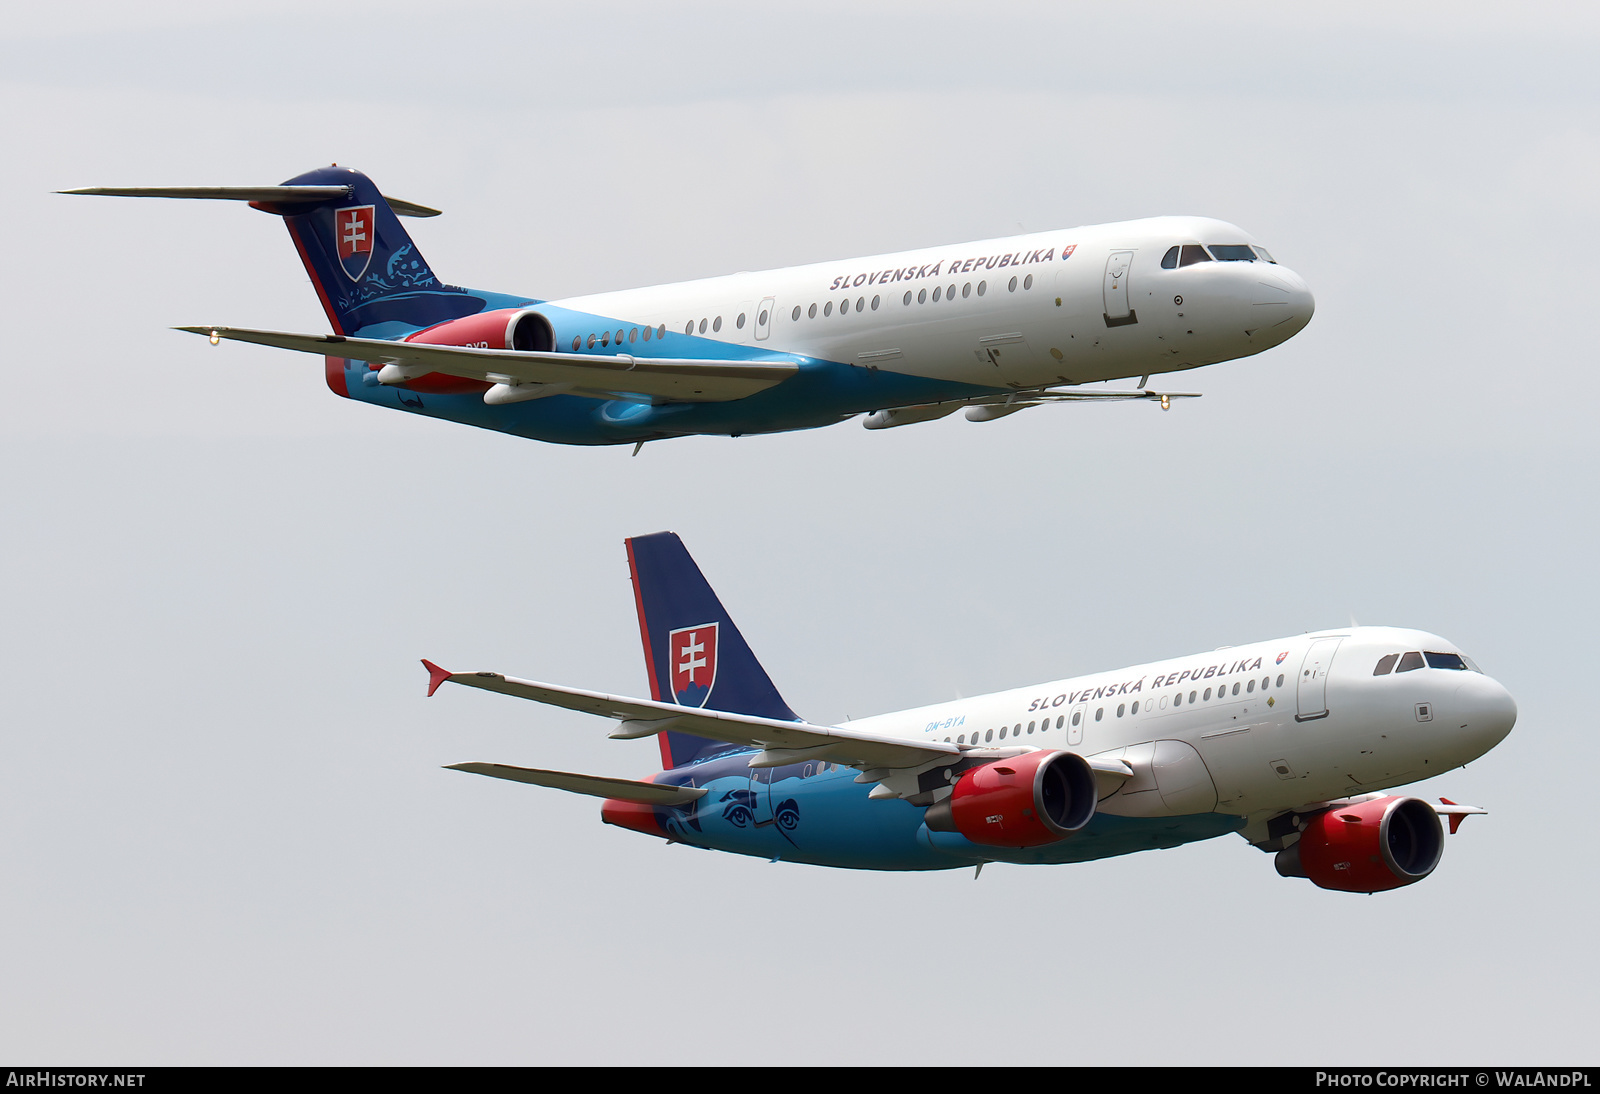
(694, 653)
(370, 276)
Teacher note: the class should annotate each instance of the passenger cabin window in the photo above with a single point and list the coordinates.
(1385, 663)
(1412, 660)
(1445, 661)
(1192, 253)
(1169, 261)
(1232, 252)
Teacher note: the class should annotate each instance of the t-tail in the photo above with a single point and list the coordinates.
(693, 652)
(369, 274)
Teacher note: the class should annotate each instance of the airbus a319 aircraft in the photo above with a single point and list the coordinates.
(992, 327)
(1290, 743)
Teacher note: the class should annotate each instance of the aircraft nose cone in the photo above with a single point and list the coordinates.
(1297, 294)
(1301, 303)
(1484, 710)
(1281, 303)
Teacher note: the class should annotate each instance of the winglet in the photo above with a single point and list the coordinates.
(437, 676)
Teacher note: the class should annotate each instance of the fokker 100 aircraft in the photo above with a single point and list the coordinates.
(1290, 743)
(994, 326)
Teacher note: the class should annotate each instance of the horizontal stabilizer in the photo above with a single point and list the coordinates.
(596, 375)
(593, 785)
(272, 195)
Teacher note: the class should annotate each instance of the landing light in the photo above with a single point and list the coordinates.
(216, 339)
(1166, 403)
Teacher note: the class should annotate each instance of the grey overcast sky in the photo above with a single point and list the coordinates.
(224, 832)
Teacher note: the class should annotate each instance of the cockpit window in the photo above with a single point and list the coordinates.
(1412, 660)
(1232, 252)
(1445, 661)
(1192, 253)
(1385, 663)
(1169, 261)
(1265, 257)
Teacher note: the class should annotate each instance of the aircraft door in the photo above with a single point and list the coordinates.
(1118, 311)
(761, 795)
(1075, 720)
(764, 318)
(1312, 692)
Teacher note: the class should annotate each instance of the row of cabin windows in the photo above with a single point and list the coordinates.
(946, 292)
(1223, 691)
(949, 291)
(1416, 660)
(714, 323)
(604, 338)
(1195, 696)
(844, 308)
(634, 334)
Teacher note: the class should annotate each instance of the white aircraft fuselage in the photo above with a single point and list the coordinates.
(993, 326)
(1067, 307)
(1247, 730)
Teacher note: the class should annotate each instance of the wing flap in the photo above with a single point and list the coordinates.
(685, 379)
(594, 786)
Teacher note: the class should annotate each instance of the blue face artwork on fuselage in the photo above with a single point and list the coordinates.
(817, 813)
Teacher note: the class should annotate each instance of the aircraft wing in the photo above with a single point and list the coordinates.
(681, 379)
(780, 742)
(593, 785)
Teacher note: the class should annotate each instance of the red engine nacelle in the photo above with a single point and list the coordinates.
(1026, 801)
(504, 328)
(1367, 847)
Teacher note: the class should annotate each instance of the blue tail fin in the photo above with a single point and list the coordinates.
(371, 277)
(694, 653)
